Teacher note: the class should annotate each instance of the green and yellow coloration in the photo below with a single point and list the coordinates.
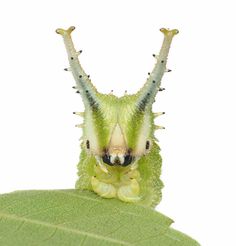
(120, 157)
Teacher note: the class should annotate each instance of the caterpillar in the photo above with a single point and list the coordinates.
(120, 157)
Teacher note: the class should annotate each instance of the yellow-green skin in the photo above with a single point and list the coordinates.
(141, 185)
(119, 127)
(145, 178)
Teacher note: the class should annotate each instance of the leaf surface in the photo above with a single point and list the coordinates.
(73, 217)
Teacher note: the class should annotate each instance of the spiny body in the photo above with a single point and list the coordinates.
(120, 157)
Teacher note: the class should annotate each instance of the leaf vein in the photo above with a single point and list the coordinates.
(84, 239)
(51, 236)
(19, 227)
(75, 231)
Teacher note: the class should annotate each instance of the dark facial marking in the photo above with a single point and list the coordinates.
(106, 159)
(117, 161)
(128, 160)
(87, 144)
(147, 145)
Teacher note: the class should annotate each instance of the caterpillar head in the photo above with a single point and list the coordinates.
(118, 131)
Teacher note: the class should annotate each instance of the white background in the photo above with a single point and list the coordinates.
(39, 145)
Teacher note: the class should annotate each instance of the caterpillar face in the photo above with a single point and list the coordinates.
(120, 157)
(117, 133)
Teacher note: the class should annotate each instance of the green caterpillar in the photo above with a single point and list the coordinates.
(120, 157)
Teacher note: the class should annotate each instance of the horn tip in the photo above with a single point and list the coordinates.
(64, 32)
(168, 32)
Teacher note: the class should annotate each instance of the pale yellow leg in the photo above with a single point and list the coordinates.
(129, 192)
(108, 178)
(103, 189)
(101, 165)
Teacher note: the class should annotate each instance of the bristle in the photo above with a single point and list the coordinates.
(79, 113)
(79, 125)
(158, 114)
(159, 127)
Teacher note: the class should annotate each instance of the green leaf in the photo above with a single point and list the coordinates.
(73, 217)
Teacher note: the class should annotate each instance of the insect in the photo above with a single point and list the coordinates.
(120, 156)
